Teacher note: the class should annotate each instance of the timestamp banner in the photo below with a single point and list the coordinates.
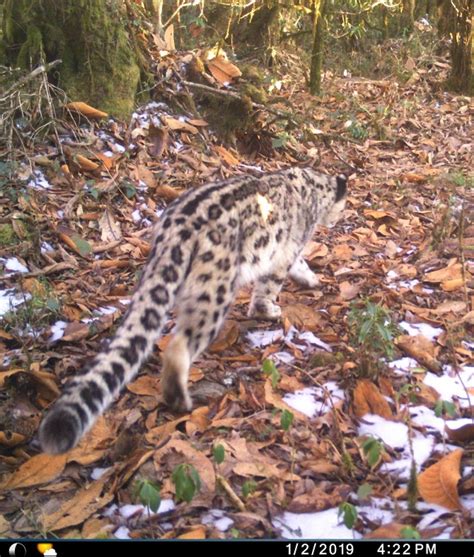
(278, 548)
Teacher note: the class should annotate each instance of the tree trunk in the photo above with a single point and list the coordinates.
(461, 78)
(408, 15)
(99, 63)
(319, 14)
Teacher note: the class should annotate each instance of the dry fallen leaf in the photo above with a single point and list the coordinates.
(452, 272)
(194, 457)
(421, 349)
(197, 533)
(368, 400)
(86, 110)
(223, 70)
(391, 531)
(37, 470)
(302, 316)
(349, 291)
(226, 155)
(80, 507)
(438, 483)
(463, 434)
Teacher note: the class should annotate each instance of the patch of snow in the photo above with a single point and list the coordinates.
(323, 525)
(426, 417)
(455, 386)
(97, 473)
(136, 216)
(57, 330)
(313, 401)
(376, 511)
(404, 365)
(392, 275)
(12, 264)
(283, 357)
(218, 518)
(294, 339)
(395, 435)
(46, 247)
(131, 510)
(122, 533)
(9, 299)
(308, 337)
(38, 181)
(260, 338)
(424, 329)
(60, 214)
(107, 310)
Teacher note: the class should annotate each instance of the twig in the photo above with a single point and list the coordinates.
(462, 254)
(231, 493)
(55, 268)
(43, 68)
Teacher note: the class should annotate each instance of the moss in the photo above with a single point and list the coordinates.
(237, 114)
(256, 94)
(99, 60)
(7, 235)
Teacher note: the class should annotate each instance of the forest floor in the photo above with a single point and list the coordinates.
(278, 447)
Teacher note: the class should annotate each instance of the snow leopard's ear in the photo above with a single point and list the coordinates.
(341, 191)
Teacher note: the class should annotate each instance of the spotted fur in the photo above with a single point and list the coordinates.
(208, 243)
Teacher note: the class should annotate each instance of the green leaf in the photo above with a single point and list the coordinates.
(218, 453)
(364, 492)
(286, 420)
(269, 369)
(186, 481)
(129, 189)
(149, 494)
(410, 533)
(349, 514)
(83, 246)
(248, 487)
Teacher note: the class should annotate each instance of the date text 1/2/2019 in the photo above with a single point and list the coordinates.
(342, 549)
(320, 549)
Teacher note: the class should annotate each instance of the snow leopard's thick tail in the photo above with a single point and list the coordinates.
(88, 395)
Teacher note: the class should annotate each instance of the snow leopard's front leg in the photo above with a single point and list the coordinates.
(302, 274)
(265, 293)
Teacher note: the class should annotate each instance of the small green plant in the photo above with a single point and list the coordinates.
(445, 408)
(148, 493)
(372, 333)
(218, 452)
(410, 533)
(358, 131)
(348, 513)
(373, 450)
(186, 481)
(286, 419)
(248, 487)
(460, 179)
(270, 370)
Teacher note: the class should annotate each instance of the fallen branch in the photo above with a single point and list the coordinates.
(233, 95)
(231, 493)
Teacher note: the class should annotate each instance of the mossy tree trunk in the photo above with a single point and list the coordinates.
(99, 61)
(461, 78)
(319, 14)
